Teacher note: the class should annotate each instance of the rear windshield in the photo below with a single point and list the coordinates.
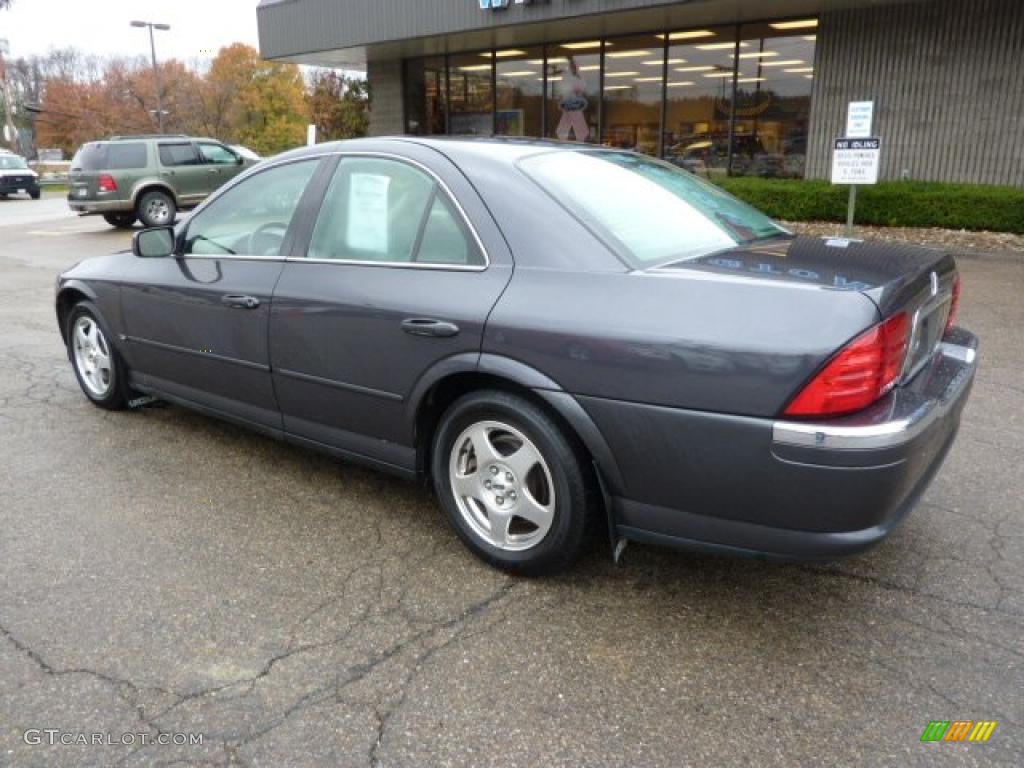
(648, 211)
(110, 157)
(12, 163)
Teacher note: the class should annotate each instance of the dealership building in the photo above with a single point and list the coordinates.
(745, 87)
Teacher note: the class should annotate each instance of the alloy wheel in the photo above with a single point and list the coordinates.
(92, 356)
(502, 486)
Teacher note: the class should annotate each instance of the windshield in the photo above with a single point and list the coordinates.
(648, 211)
(12, 163)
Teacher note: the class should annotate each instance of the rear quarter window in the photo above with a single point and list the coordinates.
(125, 156)
(110, 157)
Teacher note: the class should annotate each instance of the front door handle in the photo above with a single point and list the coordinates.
(240, 302)
(426, 326)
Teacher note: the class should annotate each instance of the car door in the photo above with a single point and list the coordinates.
(182, 167)
(196, 324)
(221, 163)
(403, 266)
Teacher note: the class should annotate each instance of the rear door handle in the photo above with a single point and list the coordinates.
(240, 302)
(425, 326)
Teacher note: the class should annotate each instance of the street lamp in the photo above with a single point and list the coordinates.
(156, 72)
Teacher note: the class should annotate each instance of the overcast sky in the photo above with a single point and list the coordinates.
(198, 27)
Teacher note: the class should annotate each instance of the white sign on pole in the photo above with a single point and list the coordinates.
(310, 135)
(856, 161)
(859, 117)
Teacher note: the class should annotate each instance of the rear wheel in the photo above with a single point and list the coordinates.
(98, 366)
(120, 220)
(511, 483)
(156, 209)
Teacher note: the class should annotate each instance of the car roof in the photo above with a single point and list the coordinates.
(496, 148)
(154, 137)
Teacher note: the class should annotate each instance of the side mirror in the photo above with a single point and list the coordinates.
(239, 160)
(156, 243)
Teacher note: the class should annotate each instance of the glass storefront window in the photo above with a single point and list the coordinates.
(699, 99)
(773, 99)
(471, 110)
(519, 78)
(574, 95)
(633, 78)
(670, 93)
(426, 89)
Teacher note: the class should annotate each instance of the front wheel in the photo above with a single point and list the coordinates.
(511, 482)
(98, 366)
(36, 194)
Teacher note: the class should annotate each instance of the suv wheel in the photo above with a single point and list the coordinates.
(156, 209)
(120, 220)
(511, 483)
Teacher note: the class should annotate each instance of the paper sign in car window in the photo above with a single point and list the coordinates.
(368, 212)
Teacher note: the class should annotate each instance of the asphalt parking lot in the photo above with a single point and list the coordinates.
(164, 573)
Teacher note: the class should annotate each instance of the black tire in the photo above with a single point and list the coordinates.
(117, 395)
(572, 484)
(36, 195)
(120, 220)
(151, 204)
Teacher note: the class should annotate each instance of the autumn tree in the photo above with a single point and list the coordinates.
(240, 99)
(338, 105)
(246, 100)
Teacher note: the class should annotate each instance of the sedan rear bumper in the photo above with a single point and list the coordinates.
(792, 490)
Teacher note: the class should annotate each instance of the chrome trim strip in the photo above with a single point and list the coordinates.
(934, 304)
(228, 257)
(197, 353)
(380, 393)
(387, 264)
(886, 434)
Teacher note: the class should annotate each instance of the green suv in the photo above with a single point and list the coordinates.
(148, 178)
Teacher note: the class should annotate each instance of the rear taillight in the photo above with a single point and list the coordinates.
(859, 374)
(107, 183)
(954, 303)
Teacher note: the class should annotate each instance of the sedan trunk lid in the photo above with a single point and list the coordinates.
(897, 277)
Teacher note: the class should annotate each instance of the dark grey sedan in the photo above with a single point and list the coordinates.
(559, 338)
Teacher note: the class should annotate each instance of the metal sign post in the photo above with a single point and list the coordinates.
(851, 207)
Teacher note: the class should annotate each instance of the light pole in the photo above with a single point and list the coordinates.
(156, 72)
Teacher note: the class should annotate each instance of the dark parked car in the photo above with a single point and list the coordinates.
(556, 336)
(149, 178)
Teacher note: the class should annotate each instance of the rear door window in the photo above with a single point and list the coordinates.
(383, 210)
(173, 155)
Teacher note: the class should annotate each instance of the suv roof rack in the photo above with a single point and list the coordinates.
(150, 136)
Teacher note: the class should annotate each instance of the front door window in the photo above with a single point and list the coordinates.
(253, 217)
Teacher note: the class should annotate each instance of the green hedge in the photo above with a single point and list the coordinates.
(891, 203)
